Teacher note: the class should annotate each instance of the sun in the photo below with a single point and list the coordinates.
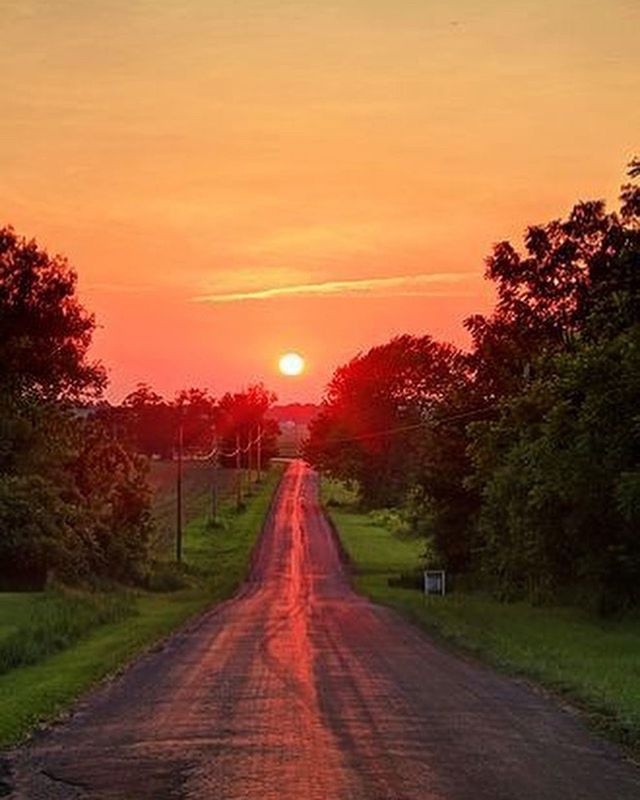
(291, 364)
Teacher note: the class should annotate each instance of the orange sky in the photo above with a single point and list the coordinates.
(346, 164)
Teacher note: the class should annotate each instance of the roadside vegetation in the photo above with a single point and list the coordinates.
(591, 662)
(517, 462)
(88, 498)
(514, 466)
(54, 645)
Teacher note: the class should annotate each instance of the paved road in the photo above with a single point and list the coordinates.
(299, 689)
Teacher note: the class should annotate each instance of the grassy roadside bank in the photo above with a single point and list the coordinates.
(216, 560)
(593, 663)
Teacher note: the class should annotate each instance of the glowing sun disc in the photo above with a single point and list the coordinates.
(291, 364)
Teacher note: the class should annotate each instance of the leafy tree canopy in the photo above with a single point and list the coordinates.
(45, 333)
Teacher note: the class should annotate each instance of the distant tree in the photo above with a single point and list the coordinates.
(149, 422)
(634, 169)
(360, 431)
(240, 416)
(45, 333)
(197, 411)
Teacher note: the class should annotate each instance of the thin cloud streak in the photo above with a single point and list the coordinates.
(402, 285)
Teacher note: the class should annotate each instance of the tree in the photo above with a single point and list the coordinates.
(376, 409)
(197, 411)
(558, 469)
(546, 488)
(75, 507)
(149, 422)
(559, 474)
(44, 331)
(239, 417)
(578, 277)
(108, 483)
(73, 502)
(38, 532)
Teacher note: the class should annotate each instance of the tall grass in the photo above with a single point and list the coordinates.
(57, 620)
(55, 646)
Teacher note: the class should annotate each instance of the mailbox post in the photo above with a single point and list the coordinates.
(435, 582)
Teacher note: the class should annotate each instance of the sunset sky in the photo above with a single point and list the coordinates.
(234, 179)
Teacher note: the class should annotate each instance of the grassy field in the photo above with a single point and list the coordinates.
(197, 490)
(55, 645)
(593, 663)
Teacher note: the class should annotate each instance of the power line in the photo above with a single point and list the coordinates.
(217, 451)
(413, 427)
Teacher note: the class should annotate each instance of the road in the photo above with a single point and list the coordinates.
(299, 689)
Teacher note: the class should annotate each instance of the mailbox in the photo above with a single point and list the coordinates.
(435, 582)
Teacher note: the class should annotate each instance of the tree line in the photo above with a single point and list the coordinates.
(75, 502)
(518, 459)
(149, 423)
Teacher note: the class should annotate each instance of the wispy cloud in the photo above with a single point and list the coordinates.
(400, 285)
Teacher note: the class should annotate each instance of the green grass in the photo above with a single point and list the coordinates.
(377, 553)
(14, 610)
(593, 663)
(196, 487)
(216, 561)
(53, 621)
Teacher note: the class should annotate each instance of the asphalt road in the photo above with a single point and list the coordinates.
(298, 688)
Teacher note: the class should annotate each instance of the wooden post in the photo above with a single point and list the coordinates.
(259, 453)
(179, 496)
(238, 474)
(214, 489)
(249, 459)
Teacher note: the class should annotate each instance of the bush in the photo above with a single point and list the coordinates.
(394, 520)
(39, 534)
(558, 476)
(337, 493)
(78, 507)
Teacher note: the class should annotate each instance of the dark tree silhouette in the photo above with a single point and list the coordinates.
(239, 417)
(359, 435)
(44, 331)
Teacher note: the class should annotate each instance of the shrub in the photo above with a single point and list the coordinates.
(40, 533)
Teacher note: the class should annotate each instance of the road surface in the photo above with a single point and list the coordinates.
(298, 689)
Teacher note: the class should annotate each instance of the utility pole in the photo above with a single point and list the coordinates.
(249, 472)
(238, 474)
(179, 494)
(249, 458)
(259, 453)
(214, 489)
